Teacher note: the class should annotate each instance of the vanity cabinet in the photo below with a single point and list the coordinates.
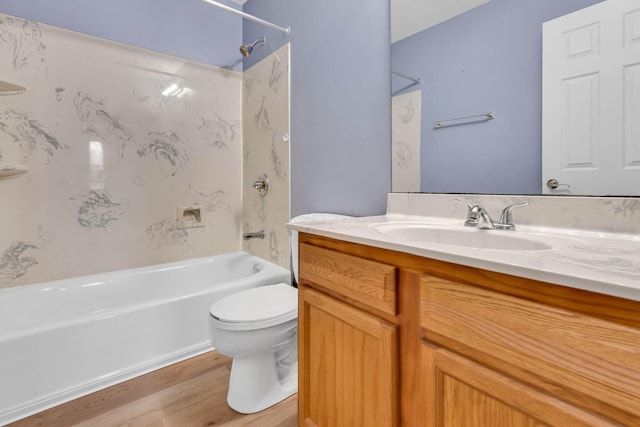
(348, 356)
(388, 338)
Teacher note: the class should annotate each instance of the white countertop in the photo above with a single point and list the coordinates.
(607, 263)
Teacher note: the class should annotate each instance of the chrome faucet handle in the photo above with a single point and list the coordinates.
(261, 185)
(472, 217)
(469, 205)
(477, 216)
(506, 218)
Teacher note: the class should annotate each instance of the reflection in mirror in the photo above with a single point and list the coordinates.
(405, 142)
(488, 58)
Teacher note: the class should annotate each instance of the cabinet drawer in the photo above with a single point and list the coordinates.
(369, 282)
(585, 359)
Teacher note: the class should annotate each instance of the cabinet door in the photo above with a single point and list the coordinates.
(462, 393)
(348, 364)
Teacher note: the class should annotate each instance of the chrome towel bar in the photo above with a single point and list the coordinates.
(486, 116)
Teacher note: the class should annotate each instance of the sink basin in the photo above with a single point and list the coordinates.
(467, 237)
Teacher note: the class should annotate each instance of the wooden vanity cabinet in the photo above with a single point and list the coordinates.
(348, 340)
(449, 345)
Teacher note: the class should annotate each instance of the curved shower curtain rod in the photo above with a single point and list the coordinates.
(407, 77)
(286, 30)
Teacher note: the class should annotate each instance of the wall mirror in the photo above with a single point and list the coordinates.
(467, 98)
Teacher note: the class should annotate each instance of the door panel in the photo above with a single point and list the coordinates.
(348, 365)
(632, 115)
(591, 100)
(462, 393)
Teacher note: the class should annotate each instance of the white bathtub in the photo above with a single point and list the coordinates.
(63, 339)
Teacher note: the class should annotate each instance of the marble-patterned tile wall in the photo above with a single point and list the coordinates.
(406, 113)
(115, 139)
(603, 214)
(266, 150)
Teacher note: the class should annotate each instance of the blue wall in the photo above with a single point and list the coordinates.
(186, 28)
(488, 59)
(340, 109)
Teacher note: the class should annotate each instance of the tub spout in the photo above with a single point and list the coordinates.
(253, 235)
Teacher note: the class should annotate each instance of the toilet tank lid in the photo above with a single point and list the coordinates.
(317, 217)
(257, 304)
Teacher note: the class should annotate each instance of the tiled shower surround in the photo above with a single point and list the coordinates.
(406, 111)
(115, 140)
(266, 150)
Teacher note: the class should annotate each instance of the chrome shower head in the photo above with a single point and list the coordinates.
(246, 49)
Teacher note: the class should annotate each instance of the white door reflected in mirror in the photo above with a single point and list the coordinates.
(591, 101)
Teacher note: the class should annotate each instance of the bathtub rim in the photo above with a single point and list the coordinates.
(94, 277)
(79, 281)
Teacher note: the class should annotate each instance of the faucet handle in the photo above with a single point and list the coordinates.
(506, 218)
(469, 205)
(473, 214)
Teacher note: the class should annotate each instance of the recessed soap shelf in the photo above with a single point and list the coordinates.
(11, 171)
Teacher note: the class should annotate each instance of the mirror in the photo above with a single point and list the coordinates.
(480, 61)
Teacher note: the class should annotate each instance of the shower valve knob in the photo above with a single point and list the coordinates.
(261, 185)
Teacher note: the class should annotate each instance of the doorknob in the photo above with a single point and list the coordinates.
(553, 184)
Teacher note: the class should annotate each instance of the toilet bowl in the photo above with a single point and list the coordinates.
(258, 329)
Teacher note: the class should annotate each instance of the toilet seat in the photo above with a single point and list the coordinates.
(256, 308)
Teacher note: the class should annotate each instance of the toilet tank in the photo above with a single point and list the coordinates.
(294, 234)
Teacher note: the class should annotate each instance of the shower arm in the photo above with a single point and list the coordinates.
(286, 30)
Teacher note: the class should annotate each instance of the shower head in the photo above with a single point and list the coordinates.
(246, 49)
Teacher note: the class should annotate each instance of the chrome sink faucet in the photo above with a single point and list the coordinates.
(478, 217)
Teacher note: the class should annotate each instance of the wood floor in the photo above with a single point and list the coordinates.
(189, 393)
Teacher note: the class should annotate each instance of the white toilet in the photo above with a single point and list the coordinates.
(258, 329)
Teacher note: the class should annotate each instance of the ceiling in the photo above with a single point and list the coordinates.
(412, 16)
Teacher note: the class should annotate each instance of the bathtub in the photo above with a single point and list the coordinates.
(63, 339)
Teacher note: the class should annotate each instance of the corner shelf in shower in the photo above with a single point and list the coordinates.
(7, 89)
(11, 171)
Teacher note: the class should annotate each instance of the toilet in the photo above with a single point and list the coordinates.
(258, 328)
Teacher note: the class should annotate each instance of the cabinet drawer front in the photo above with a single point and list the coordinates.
(369, 282)
(582, 355)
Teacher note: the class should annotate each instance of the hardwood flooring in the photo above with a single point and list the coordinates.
(189, 393)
